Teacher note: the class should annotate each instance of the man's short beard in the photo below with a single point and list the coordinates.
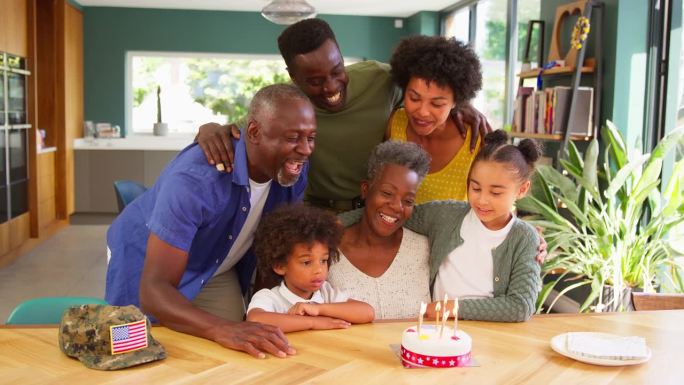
(280, 178)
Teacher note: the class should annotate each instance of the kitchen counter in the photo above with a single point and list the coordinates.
(101, 161)
(147, 142)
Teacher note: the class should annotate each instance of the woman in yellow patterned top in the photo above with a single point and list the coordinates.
(437, 74)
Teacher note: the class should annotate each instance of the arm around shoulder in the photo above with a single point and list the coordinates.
(430, 216)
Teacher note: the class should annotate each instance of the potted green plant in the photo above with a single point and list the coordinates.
(160, 128)
(609, 227)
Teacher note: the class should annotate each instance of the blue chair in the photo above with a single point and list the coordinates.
(47, 310)
(127, 191)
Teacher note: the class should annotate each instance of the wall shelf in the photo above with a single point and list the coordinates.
(554, 71)
(548, 136)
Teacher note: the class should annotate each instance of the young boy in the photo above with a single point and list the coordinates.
(298, 243)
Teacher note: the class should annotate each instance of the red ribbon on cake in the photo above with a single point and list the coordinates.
(415, 360)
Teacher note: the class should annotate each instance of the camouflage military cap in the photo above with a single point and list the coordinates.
(108, 337)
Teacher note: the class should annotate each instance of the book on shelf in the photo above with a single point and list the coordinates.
(580, 121)
(520, 107)
(540, 110)
(543, 111)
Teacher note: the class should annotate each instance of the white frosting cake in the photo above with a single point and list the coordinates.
(429, 350)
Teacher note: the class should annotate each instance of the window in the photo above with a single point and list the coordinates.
(488, 37)
(457, 24)
(195, 88)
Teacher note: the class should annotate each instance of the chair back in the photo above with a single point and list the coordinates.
(657, 301)
(47, 310)
(127, 191)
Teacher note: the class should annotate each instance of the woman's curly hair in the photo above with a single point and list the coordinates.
(447, 62)
(288, 225)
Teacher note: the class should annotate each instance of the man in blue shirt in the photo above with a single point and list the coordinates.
(179, 241)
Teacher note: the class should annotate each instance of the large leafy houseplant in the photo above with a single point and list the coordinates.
(609, 226)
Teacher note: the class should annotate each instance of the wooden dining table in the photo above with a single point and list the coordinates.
(517, 353)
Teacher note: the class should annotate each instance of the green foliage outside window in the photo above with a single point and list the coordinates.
(145, 82)
(495, 48)
(227, 86)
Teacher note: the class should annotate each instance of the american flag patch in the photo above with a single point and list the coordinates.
(128, 337)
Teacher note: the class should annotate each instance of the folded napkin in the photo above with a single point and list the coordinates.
(607, 346)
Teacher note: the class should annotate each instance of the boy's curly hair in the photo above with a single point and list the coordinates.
(288, 225)
(445, 61)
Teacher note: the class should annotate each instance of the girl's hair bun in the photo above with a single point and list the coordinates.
(530, 149)
(496, 138)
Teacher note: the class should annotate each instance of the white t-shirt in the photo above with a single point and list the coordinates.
(468, 270)
(280, 299)
(258, 192)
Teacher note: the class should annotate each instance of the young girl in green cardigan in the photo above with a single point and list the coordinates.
(481, 252)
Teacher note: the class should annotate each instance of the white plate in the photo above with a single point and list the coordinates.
(558, 344)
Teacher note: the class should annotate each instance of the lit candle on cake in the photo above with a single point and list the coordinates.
(423, 308)
(444, 319)
(437, 308)
(455, 315)
(444, 303)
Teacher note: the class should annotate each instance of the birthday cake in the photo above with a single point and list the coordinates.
(435, 348)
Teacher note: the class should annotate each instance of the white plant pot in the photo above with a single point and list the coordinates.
(161, 129)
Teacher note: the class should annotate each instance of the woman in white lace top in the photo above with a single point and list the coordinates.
(381, 262)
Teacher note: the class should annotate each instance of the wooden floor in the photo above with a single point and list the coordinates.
(71, 262)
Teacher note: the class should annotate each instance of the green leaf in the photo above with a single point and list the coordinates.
(617, 145)
(528, 206)
(567, 289)
(665, 144)
(650, 175)
(596, 290)
(574, 157)
(582, 200)
(674, 191)
(553, 177)
(550, 213)
(591, 164)
(541, 187)
(625, 172)
(578, 213)
(544, 293)
(637, 198)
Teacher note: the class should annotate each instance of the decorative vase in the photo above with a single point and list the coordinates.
(161, 129)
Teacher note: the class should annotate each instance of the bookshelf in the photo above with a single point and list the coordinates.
(580, 107)
(556, 137)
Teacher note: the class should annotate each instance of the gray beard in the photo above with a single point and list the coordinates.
(281, 179)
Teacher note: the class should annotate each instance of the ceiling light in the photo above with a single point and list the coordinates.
(288, 11)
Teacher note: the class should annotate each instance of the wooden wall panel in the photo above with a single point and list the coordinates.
(46, 212)
(46, 175)
(4, 240)
(32, 94)
(19, 230)
(13, 27)
(46, 189)
(73, 92)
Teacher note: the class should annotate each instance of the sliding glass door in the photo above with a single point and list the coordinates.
(485, 25)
